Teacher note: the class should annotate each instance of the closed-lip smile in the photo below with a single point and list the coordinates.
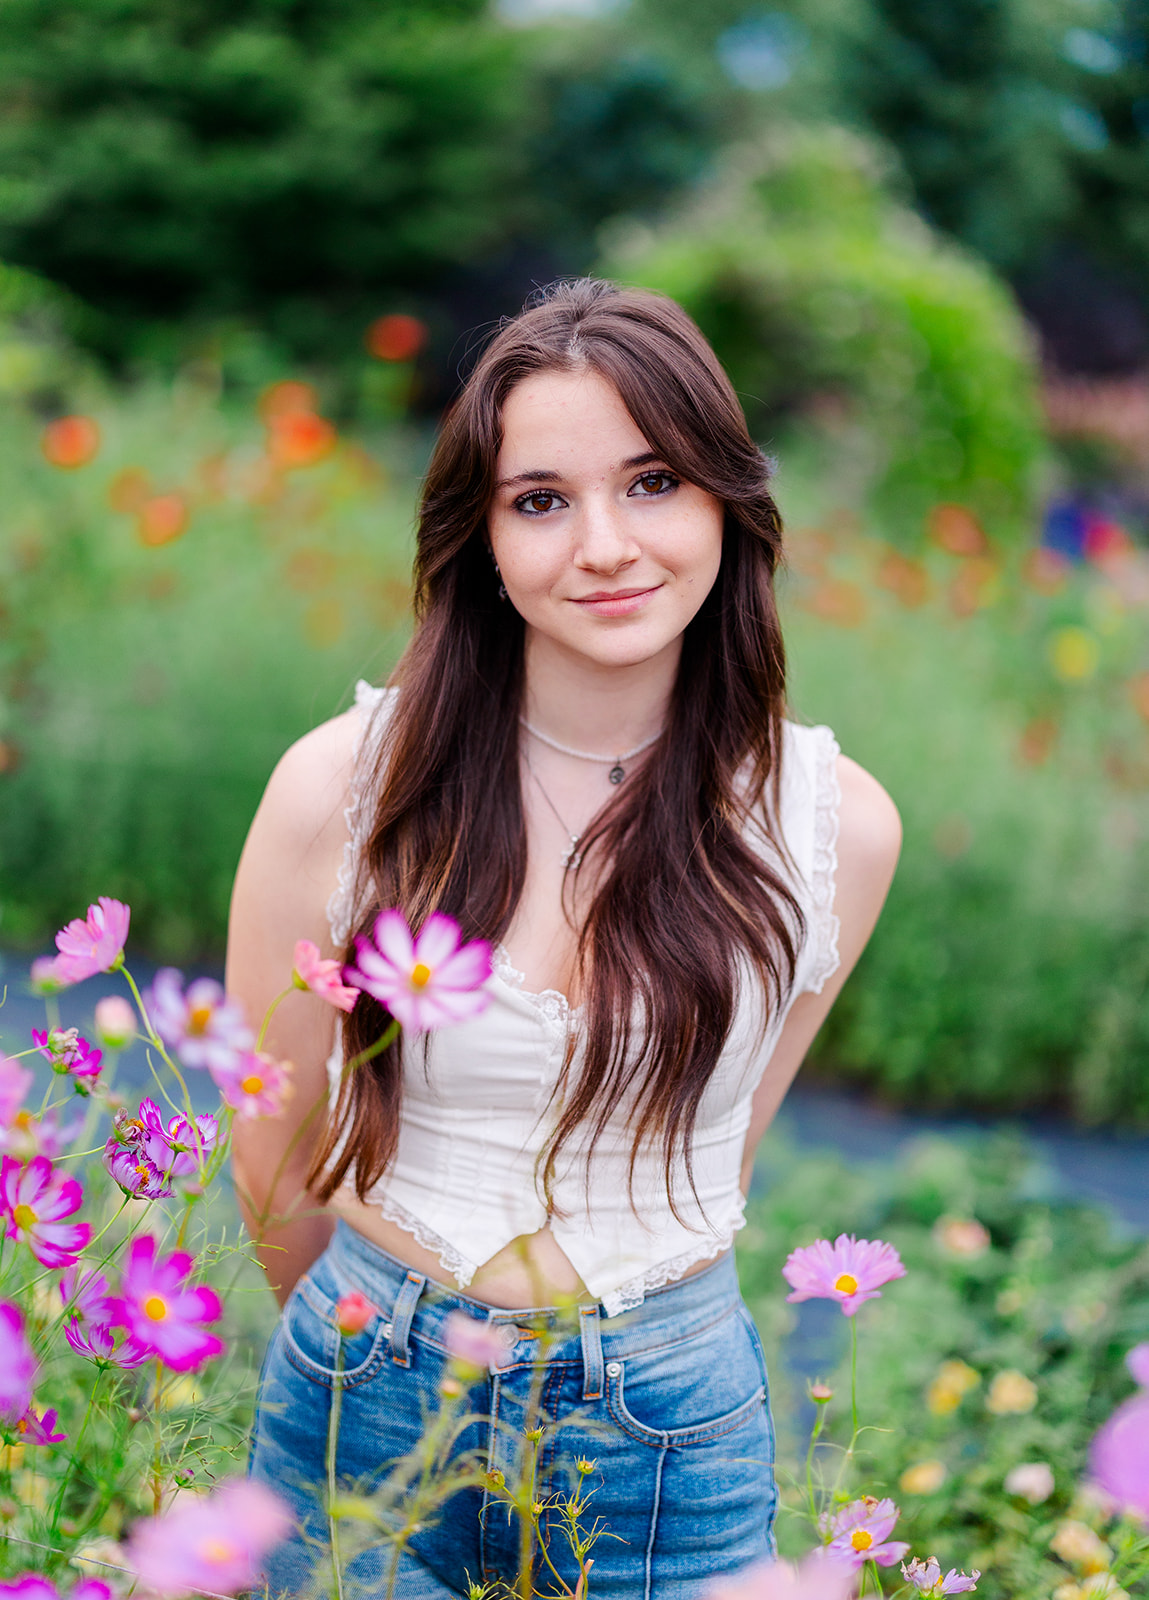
(616, 602)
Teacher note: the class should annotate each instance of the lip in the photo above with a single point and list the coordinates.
(615, 602)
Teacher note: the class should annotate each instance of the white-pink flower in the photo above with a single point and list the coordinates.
(1138, 1363)
(92, 944)
(115, 1022)
(215, 1543)
(926, 1577)
(202, 1026)
(850, 1271)
(819, 1577)
(425, 982)
(321, 977)
(860, 1532)
(34, 1200)
(15, 1081)
(17, 1363)
(255, 1084)
(477, 1344)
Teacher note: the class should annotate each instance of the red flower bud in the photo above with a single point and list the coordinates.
(352, 1313)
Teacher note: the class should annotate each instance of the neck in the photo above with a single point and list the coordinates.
(594, 706)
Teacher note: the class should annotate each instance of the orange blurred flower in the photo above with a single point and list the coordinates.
(974, 586)
(129, 489)
(285, 399)
(396, 337)
(906, 579)
(1037, 741)
(956, 529)
(9, 756)
(1139, 694)
(299, 439)
(840, 602)
(70, 442)
(162, 518)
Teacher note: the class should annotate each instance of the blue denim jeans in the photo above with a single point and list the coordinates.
(668, 1401)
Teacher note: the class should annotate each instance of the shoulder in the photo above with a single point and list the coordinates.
(869, 827)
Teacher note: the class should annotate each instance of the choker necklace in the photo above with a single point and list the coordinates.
(617, 772)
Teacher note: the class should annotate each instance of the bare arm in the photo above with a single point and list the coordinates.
(869, 839)
(286, 874)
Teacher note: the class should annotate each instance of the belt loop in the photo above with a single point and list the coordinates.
(405, 1302)
(591, 1352)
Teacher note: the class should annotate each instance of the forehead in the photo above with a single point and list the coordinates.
(564, 421)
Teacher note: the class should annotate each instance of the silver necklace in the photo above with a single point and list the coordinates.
(572, 855)
(617, 772)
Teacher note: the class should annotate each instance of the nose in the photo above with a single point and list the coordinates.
(604, 543)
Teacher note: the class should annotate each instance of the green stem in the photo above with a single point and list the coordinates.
(269, 1013)
(854, 1376)
(332, 1448)
(74, 1456)
(814, 1433)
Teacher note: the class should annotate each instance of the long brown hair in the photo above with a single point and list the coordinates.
(682, 898)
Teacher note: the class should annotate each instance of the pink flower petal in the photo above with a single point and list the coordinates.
(437, 942)
(393, 940)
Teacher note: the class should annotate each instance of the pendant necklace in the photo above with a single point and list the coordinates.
(572, 855)
(617, 772)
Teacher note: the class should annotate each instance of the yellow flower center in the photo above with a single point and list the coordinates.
(142, 1170)
(23, 1119)
(420, 976)
(198, 1019)
(217, 1551)
(846, 1283)
(860, 1539)
(23, 1216)
(252, 1084)
(22, 1425)
(156, 1307)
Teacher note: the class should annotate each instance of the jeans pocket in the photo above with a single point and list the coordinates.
(315, 1347)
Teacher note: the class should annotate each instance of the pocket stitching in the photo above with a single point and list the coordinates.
(310, 1294)
(672, 1438)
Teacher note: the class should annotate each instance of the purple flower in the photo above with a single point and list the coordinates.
(84, 1291)
(426, 982)
(174, 1147)
(17, 1363)
(93, 945)
(34, 1586)
(203, 1027)
(1138, 1363)
(926, 1577)
(216, 1543)
(129, 1167)
(35, 1200)
(860, 1532)
(477, 1344)
(849, 1271)
(15, 1081)
(256, 1085)
(1119, 1456)
(161, 1312)
(99, 1342)
(69, 1053)
(37, 1429)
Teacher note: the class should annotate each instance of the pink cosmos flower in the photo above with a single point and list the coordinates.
(1119, 1456)
(29, 1136)
(321, 977)
(15, 1081)
(850, 1271)
(33, 1428)
(35, 1200)
(203, 1027)
(17, 1363)
(34, 1586)
(175, 1148)
(352, 1313)
(926, 1577)
(93, 945)
(477, 1344)
(216, 1543)
(817, 1578)
(43, 977)
(426, 982)
(84, 1291)
(100, 1342)
(860, 1532)
(115, 1022)
(129, 1167)
(256, 1085)
(68, 1053)
(161, 1312)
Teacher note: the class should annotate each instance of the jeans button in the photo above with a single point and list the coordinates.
(388, 1330)
(613, 1368)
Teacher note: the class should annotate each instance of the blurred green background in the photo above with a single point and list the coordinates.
(248, 251)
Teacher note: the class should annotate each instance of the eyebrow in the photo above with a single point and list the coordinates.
(545, 475)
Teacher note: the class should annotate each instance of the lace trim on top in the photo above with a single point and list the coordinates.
(632, 1293)
(824, 925)
(552, 1004)
(341, 906)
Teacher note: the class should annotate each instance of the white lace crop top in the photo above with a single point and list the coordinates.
(476, 1108)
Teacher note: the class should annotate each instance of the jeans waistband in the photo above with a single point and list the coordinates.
(675, 1311)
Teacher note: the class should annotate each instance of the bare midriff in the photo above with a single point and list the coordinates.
(532, 1270)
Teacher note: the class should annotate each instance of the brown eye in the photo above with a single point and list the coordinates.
(537, 502)
(652, 483)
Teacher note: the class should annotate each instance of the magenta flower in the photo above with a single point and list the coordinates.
(477, 1344)
(860, 1532)
(1119, 1456)
(203, 1027)
(321, 977)
(353, 1312)
(426, 982)
(93, 945)
(115, 1022)
(158, 1309)
(256, 1085)
(84, 1291)
(15, 1081)
(33, 1428)
(35, 1201)
(17, 1363)
(849, 1271)
(926, 1577)
(129, 1167)
(174, 1147)
(819, 1577)
(68, 1053)
(214, 1544)
(34, 1586)
(100, 1342)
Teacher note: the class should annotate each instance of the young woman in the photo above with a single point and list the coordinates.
(583, 758)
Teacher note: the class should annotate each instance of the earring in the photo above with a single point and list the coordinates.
(498, 574)
(502, 591)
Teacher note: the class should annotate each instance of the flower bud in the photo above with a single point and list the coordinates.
(820, 1393)
(352, 1313)
(115, 1022)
